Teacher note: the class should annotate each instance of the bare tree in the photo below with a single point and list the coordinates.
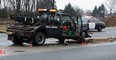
(111, 4)
(23, 7)
(13, 4)
(78, 10)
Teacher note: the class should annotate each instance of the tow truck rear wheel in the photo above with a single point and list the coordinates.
(82, 38)
(17, 41)
(39, 39)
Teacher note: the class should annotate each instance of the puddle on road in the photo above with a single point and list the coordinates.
(19, 51)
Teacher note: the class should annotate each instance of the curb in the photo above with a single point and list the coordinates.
(99, 38)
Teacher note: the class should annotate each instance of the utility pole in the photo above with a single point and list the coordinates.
(18, 7)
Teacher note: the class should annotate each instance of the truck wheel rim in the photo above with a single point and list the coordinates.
(40, 39)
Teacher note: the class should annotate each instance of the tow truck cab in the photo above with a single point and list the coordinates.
(50, 24)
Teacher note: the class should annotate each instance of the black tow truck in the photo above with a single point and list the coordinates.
(50, 24)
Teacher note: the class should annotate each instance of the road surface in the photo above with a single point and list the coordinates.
(107, 32)
(50, 44)
(100, 52)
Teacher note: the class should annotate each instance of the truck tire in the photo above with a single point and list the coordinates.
(17, 41)
(99, 29)
(39, 39)
(61, 41)
(82, 38)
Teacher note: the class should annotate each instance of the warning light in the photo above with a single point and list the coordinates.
(52, 10)
(42, 10)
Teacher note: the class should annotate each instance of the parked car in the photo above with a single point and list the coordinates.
(93, 23)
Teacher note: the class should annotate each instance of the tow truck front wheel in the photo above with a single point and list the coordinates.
(39, 39)
(17, 41)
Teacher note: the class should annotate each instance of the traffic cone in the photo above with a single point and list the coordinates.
(4, 52)
(0, 52)
(31, 45)
(83, 44)
(89, 44)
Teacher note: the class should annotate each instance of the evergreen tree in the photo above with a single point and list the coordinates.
(95, 11)
(70, 10)
(102, 9)
(98, 12)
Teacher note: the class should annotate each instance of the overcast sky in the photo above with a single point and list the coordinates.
(83, 4)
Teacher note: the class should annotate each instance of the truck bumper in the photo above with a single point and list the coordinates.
(22, 34)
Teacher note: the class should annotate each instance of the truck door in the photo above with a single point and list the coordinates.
(53, 27)
(79, 25)
(68, 25)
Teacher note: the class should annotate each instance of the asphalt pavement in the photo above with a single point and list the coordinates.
(107, 32)
(100, 52)
(54, 51)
